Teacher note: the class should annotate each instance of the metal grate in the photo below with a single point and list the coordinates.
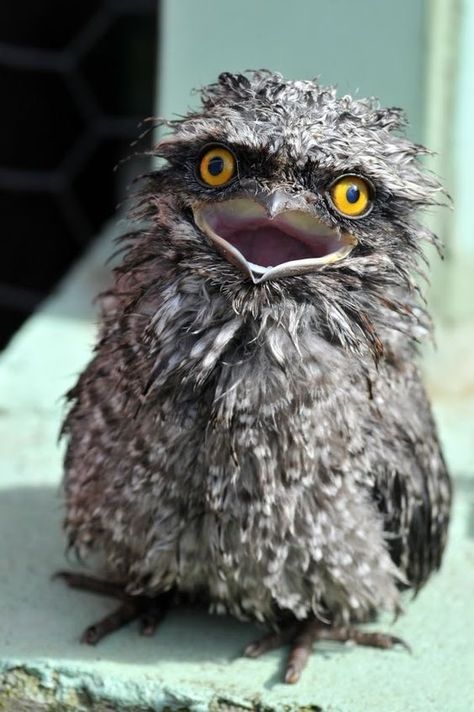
(76, 79)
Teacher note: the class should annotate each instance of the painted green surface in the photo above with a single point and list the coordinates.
(463, 135)
(454, 286)
(376, 48)
(193, 661)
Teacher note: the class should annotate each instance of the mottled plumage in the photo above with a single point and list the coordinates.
(267, 447)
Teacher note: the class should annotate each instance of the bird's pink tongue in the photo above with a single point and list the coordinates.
(268, 246)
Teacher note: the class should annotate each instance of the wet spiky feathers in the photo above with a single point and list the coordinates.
(267, 447)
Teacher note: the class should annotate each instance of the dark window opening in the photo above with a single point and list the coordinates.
(76, 81)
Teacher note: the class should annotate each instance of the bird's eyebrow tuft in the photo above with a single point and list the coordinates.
(178, 149)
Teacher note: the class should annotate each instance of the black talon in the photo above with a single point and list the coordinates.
(150, 611)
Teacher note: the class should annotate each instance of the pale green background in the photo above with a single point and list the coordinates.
(367, 46)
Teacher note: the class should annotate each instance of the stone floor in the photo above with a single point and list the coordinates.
(193, 662)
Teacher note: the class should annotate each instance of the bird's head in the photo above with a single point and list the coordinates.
(277, 190)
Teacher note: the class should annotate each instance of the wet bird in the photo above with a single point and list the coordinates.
(253, 431)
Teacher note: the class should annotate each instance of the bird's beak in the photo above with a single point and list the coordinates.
(276, 236)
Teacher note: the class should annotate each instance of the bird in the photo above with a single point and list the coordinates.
(252, 431)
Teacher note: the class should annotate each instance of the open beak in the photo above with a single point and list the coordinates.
(266, 245)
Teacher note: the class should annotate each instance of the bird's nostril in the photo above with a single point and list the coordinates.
(276, 202)
(281, 200)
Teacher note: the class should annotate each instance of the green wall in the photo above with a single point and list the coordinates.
(463, 135)
(371, 46)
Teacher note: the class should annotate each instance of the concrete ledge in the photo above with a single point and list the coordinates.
(193, 661)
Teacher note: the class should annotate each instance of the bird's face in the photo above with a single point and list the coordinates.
(267, 228)
(281, 186)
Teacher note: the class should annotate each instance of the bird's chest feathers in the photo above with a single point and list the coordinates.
(238, 364)
(255, 401)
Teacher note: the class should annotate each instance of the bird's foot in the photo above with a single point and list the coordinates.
(302, 635)
(149, 611)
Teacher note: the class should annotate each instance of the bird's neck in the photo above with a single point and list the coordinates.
(270, 360)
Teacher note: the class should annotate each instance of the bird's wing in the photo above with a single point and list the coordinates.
(409, 479)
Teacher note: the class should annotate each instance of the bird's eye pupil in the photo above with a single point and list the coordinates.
(352, 194)
(215, 165)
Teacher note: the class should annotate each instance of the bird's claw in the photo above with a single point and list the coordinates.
(302, 637)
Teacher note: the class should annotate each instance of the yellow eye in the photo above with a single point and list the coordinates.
(351, 196)
(217, 166)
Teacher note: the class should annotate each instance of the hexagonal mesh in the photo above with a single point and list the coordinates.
(76, 80)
